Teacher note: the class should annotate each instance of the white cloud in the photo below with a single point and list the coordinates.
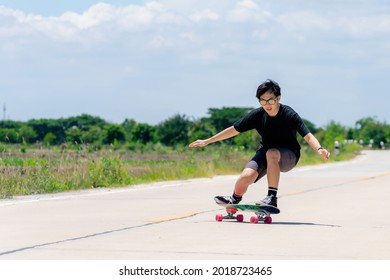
(208, 55)
(221, 48)
(190, 36)
(247, 10)
(134, 17)
(305, 20)
(142, 17)
(312, 21)
(158, 42)
(366, 25)
(248, 4)
(70, 25)
(7, 12)
(204, 15)
(97, 14)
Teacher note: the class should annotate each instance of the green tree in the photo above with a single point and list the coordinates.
(200, 129)
(74, 135)
(128, 125)
(225, 117)
(114, 133)
(173, 131)
(370, 128)
(334, 132)
(49, 139)
(44, 126)
(248, 140)
(27, 134)
(92, 135)
(9, 135)
(84, 122)
(142, 133)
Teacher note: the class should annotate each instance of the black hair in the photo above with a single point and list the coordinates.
(268, 85)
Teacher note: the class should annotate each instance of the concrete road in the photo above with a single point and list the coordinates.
(333, 211)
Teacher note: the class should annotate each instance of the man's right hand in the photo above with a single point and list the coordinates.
(198, 143)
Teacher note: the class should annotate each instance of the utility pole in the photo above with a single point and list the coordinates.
(4, 112)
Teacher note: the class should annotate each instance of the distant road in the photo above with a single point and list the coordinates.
(331, 211)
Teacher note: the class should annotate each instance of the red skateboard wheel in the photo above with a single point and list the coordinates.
(267, 220)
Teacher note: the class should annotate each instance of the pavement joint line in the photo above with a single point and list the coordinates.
(356, 180)
(371, 177)
(172, 217)
(149, 223)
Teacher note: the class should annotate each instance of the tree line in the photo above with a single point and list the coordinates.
(177, 130)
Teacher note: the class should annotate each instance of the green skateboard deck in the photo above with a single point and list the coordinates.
(262, 212)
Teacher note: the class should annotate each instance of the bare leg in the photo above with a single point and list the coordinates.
(247, 177)
(273, 168)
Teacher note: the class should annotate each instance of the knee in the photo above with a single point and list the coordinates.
(249, 174)
(273, 155)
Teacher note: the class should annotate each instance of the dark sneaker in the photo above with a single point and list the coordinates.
(269, 200)
(225, 200)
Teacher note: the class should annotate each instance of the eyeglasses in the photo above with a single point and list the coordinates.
(271, 101)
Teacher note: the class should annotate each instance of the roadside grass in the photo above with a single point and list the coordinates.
(52, 170)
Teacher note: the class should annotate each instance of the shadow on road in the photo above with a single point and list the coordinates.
(303, 224)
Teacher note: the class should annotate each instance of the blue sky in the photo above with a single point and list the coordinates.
(56, 8)
(149, 60)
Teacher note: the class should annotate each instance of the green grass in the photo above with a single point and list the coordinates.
(310, 157)
(51, 171)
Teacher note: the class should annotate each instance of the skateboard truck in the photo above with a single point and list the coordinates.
(231, 215)
(261, 214)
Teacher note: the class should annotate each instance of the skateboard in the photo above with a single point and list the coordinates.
(262, 212)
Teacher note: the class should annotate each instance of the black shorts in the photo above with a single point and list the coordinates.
(288, 160)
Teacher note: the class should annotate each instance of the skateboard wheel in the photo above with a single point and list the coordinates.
(240, 218)
(219, 217)
(254, 220)
(267, 220)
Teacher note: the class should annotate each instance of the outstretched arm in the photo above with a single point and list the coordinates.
(315, 144)
(224, 134)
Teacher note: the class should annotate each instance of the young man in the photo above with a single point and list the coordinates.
(278, 125)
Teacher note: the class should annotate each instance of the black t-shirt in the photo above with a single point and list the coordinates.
(279, 131)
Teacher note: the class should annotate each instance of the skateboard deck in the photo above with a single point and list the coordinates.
(262, 212)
